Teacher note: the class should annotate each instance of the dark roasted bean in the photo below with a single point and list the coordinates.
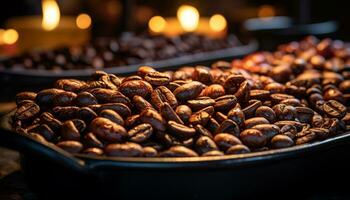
(228, 126)
(205, 144)
(267, 113)
(236, 115)
(136, 87)
(178, 151)
(91, 141)
(93, 151)
(270, 130)
(69, 131)
(113, 116)
(157, 78)
(199, 118)
(69, 84)
(189, 90)
(253, 138)
(214, 91)
(140, 133)
(334, 109)
(169, 114)
(184, 112)
(225, 140)
(225, 103)
(45, 97)
(108, 130)
(249, 111)
(200, 103)
(27, 111)
(71, 146)
(154, 118)
(128, 149)
(161, 95)
(149, 152)
(122, 109)
(140, 103)
(85, 99)
(249, 123)
(281, 141)
(181, 131)
(25, 96)
(238, 149)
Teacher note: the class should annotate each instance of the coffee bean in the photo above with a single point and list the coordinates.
(144, 70)
(169, 114)
(71, 85)
(205, 144)
(281, 141)
(270, 130)
(212, 125)
(141, 103)
(304, 114)
(306, 138)
(334, 109)
(69, 131)
(225, 103)
(277, 98)
(199, 118)
(238, 149)
(296, 124)
(202, 75)
(243, 92)
(226, 140)
(149, 152)
(249, 123)
(202, 131)
(184, 112)
(48, 119)
(46, 97)
(43, 130)
(27, 111)
(66, 113)
(229, 126)
(236, 115)
(109, 96)
(181, 131)
(284, 112)
(122, 109)
(128, 149)
(112, 115)
(200, 103)
(86, 114)
(178, 151)
(259, 94)
(140, 133)
(85, 99)
(267, 113)
(93, 151)
(91, 140)
(154, 118)
(70, 146)
(232, 82)
(157, 78)
(214, 91)
(253, 138)
(250, 110)
(161, 95)
(188, 91)
(136, 87)
(25, 96)
(108, 130)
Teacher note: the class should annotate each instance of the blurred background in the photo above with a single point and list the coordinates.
(21, 21)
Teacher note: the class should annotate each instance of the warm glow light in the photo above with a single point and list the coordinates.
(9, 36)
(51, 15)
(188, 17)
(83, 21)
(157, 24)
(217, 22)
(2, 31)
(266, 11)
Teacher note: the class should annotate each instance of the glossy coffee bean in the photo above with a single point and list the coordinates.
(225, 103)
(237, 149)
(250, 110)
(71, 85)
(157, 78)
(236, 114)
(149, 152)
(284, 112)
(184, 112)
(281, 141)
(71, 146)
(140, 133)
(181, 131)
(304, 114)
(161, 95)
(253, 138)
(92, 141)
(169, 114)
(86, 114)
(267, 113)
(188, 91)
(108, 130)
(128, 149)
(205, 144)
(85, 99)
(214, 91)
(226, 140)
(335, 109)
(141, 103)
(93, 151)
(112, 115)
(178, 151)
(27, 111)
(46, 97)
(269, 130)
(154, 118)
(69, 131)
(199, 118)
(200, 103)
(229, 126)
(249, 123)
(136, 87)
(25, 96)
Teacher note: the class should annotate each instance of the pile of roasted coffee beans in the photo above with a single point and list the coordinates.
(296, 95)
(128, 49)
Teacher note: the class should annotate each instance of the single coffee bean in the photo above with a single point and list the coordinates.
(281, 141)
(169, 114)
(189, 90)
(108, 130)
(140, 133)
(270, 130)
(141, 103)
(226, 140)
(214, 91)
(199, 118)
(136, 87)
(45, 97)
(232, 82)
(225, 103)
(236, 115)
(277, 98)
(202, 75)
(144, 70)
(25, 96)
(289, 131)
(291, 102)
(284, 112)
(154, 118)
(253, 138)
(213, 153)
(250, 110)
(212, 125)
(243, 92)
(48, 119)
(64, 99)
(70, 146)
(184, 112)
(113, 116)
(306, 138)
(104, 95)
(66, 113)
(161, 95)
(334, 109)
(229, 126)
(86, 114)
(27, 111)
(71, 85)
(85, 99)
(92, 141)
(178, 151)
(238, 149)
(296, 124)
(42, 129)
(149, 152)
(200, 103)
(128, 149)
(202, 131)
(132, 121)
(69, 131)
(304, 114)
(205, 144)
(267, 113)
(259, 94)
(249, 123)
(181, 131)
(220, 117)
(120, 108)
(93, 151)
(157, 78)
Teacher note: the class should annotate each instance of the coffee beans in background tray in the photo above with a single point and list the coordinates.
(293, 96)
(127, 49)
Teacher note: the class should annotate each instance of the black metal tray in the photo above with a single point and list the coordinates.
(274, 174)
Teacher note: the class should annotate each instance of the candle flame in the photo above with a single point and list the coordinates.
(9, 36)
(51, 15)
(157, 24)
(188, 17)
(217, 23)
(266, 11)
